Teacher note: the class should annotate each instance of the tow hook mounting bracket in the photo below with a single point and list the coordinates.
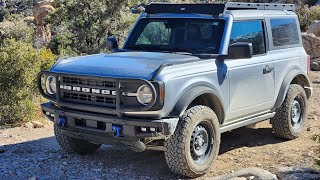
(117, 130)
(62, 121)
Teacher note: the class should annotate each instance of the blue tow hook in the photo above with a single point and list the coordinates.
(116, 130)
(62, 122)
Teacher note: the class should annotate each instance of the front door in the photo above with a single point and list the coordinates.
(251, 80)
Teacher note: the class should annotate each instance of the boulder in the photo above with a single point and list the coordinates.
(29, 125)
(314, 28)
(311, 44)
(29, 19)
(291, 173)
(138, 9)
(315, 65)
(37, 124)
(248, 173)
(40, 11)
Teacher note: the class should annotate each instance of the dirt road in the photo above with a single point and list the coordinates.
(35, 153)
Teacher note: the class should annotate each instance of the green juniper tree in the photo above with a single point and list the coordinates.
(81, 25)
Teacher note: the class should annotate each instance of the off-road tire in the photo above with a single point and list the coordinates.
(281, 122)
(177, 153)
(73, 145)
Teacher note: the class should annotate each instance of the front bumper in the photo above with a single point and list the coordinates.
(99, 128)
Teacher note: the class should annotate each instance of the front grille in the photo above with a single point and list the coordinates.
(88, 82)
(89, 99)
(72, 90)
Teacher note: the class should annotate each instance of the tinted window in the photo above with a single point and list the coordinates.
(196, 36)
(284, 32)
(249, 31)
(154, 33)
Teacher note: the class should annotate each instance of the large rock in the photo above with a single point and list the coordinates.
(40, 11)
(314, 28)
(29, 19)
(248, 173)
(311, 44)
(138, 9)
(29, 125)
(37, 124)
(315, 65)
(295, 173)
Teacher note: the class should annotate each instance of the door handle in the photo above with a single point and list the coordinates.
(267, 69)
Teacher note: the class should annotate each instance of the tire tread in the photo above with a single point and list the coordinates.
(280, 122)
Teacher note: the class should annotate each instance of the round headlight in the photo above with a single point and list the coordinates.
(144, 95)
(51, 85)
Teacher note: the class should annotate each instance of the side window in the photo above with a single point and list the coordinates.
(249, 31)
(155, 33)
(284, 32)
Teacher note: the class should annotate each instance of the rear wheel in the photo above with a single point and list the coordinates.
(194, 146)
(289, 120)
(73, 145)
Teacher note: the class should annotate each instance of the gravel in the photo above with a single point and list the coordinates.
(43, 159)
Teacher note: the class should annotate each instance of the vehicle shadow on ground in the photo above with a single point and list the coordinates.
(120, 162)
(247, 137)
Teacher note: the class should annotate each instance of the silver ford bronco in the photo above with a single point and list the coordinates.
(186, 74)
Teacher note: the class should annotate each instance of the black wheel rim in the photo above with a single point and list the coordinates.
(201, 142)
(297, 112)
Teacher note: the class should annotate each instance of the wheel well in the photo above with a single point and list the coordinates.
(211, 101)
(303, 81)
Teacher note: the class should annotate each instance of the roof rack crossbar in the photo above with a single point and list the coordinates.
(259, 6)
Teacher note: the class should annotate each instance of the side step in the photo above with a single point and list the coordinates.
(246, 122)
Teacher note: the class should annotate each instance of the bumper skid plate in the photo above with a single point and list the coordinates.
(105, 128)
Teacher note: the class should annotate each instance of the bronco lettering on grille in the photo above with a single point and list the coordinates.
(88, 90)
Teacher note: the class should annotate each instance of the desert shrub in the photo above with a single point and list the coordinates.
(84, 24)
(317, 139)
(13, 8)
(20, 63)
(307, 15)
(16, 29)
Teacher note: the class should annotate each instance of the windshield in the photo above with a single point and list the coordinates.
(196, 36)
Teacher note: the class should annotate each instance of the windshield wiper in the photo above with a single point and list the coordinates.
(138, 47)
(175, 50)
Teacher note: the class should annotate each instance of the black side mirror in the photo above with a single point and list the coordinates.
(240, 50)
(112, 43)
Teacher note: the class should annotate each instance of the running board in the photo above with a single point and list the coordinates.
(246, 122)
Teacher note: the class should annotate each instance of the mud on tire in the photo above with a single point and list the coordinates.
(73, 145)
(286, 124)
(181, 150)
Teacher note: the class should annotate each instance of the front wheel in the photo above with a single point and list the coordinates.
(289, 120)
(195, 144)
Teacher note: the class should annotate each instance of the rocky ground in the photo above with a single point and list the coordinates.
(27, 153)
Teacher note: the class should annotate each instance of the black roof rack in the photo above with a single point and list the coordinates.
(259, 6)
(213, 9)
(210, 9)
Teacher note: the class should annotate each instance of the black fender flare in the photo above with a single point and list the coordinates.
(189, 96)
(288, 80)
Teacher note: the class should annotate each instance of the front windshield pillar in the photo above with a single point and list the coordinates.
(226, 34)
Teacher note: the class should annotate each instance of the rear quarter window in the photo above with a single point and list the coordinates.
(284, 32)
